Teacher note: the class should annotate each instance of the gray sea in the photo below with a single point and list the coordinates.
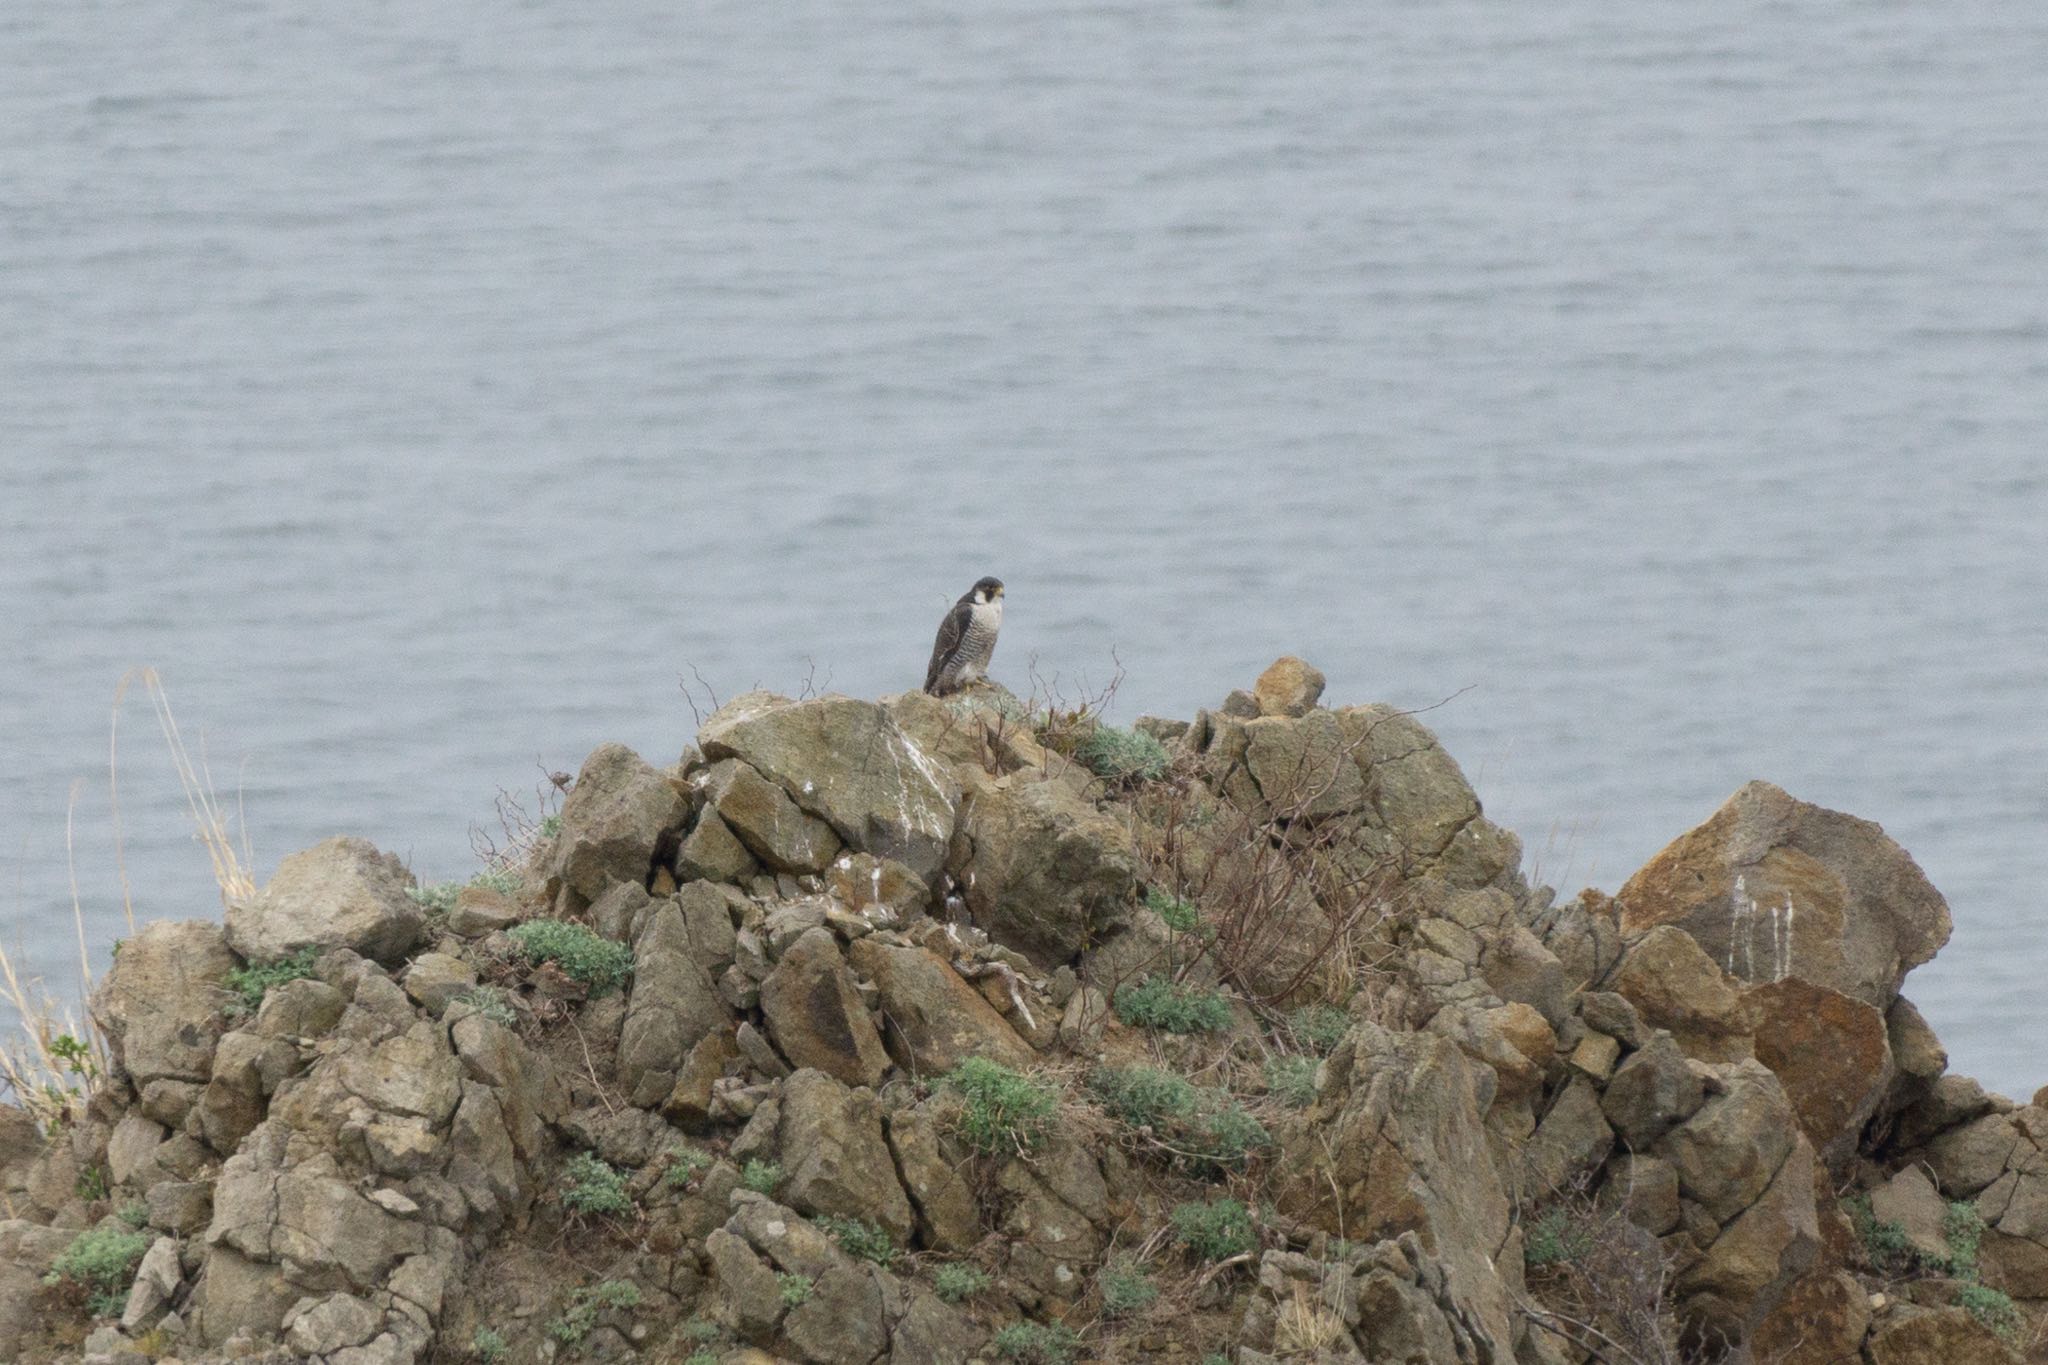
(429, 391)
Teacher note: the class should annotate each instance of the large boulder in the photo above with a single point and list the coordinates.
(773, 827)
(835, 1158)
(1771, 887)
(1674, 985)
(850, 764)
(674, 1004)
(1046, 872)
(1418, 795)
(933, 1020)
(815, 1014)
(618, 818)
(160, 1004)
(340, 893)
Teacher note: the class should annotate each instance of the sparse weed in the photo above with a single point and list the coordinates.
(684, 1165)
(1963, 1226)
(248, 985)
(1199, 1123)
(1214, 1231)
(761, 1176)
(1181, 916)
(436, 900)
(503, 879)
(492, 1002)
(1554, 1239)
(1004, 1110)
(135, 1214)
(795, 1289)
(1126, 1289)
(93, 1183)
(585, 1304)
(598, 963)
(1991, 1307)
(1036, 1343)
(488, 1345)
(1884, 1240)
(1292, 1080)
(1321, 1027)
(1170, 1006)
(592, 1185)
(956, 1281)
(1120, 755)
(859, 1238)
(101, 1262)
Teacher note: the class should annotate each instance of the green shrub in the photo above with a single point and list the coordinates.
(684, 1165)
(135, 1214)
(761, 1176)
(1036, 1343)
(1963, 1226)
(1201, 1123)
(1553, 1239)
(1292, 1080)
(1005, 1110)
(1216, 1231)
(492, 1002)
(859, 1238)
(582, 955)
(704, 1357)
(101, 1261)
(1159, 1003)
(248, 985)
(503, 880)
(699, 1330)
(436, 900)
(1992, 1308)
(488, 1346)
(551, 825)
(1321, 1027)
(93, 1184)
(957, 1281)
(1126, 1289)
(1122, 755)
(1181, 916)
(591, 1185)
(585, 1304)
(1884, 1240)
(796, 1289)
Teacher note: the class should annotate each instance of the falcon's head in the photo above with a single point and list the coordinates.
(986, 591)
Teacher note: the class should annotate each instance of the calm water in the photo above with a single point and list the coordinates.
(426, 389)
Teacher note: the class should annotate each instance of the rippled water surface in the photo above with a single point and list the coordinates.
(426, 389)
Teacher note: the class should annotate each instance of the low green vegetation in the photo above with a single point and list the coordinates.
(956, 1281)
(1215, 1231)
(1002, 1110)
(1292, 1080)
(492, 1002)
(93, 1184)
(1963, 1226)
(1181, 916)
(585, 1304)
(1122, 755)
(135, 1214)
(795, 1289)
(859, 1238)
(551, 825)
(246, 986)
(580, 953)
(1320, 1027)
(439, 898)
(501, 879)
(1199, 1123)
(488, 1346)
(685, 1164)
(1884, 1241)
(100, 1262)
(1553, 1239)
(592, 1185)
(761, 1176)
(1171, 1007)
(1036, 1343)
(1126, 1289)
(1994, 1309)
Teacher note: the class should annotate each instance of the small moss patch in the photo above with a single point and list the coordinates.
(248, 985)
(1214, 1231)
(592, 1185)
(101, 1262)
(582, 955)
(1171, 1007)
(956, 1281)
(1004, 1110)
(1036, 1343)
(1199, 1123)
(859, 1238)
(1122, 755)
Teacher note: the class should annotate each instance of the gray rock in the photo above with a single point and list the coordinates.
(332, 1324)
(305, 1008)
(1047, 873)
(947, 1216)
(849, 763)
(815, 1015)
(156, 1280)
(712, 852)
(614, 823)
(1652, 1092)
(1612, 1014)
(1727, 1152)
(674, 1003)
(1288, 687)
(340, 893)
(771, 825)
(180, 1207)
(412, 1074)
(933, 1020)
(1572, 1140)
(1910, 1200)
(479, 911)
(834, 1157)
(160, 1003)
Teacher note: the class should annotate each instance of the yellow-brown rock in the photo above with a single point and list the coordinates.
(1831, 1054)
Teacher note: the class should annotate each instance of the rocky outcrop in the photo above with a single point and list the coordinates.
(339, 894)
(722, 1087)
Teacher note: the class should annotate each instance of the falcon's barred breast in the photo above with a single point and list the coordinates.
(967, 639)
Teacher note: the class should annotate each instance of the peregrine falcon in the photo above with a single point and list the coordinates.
(967, 637)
